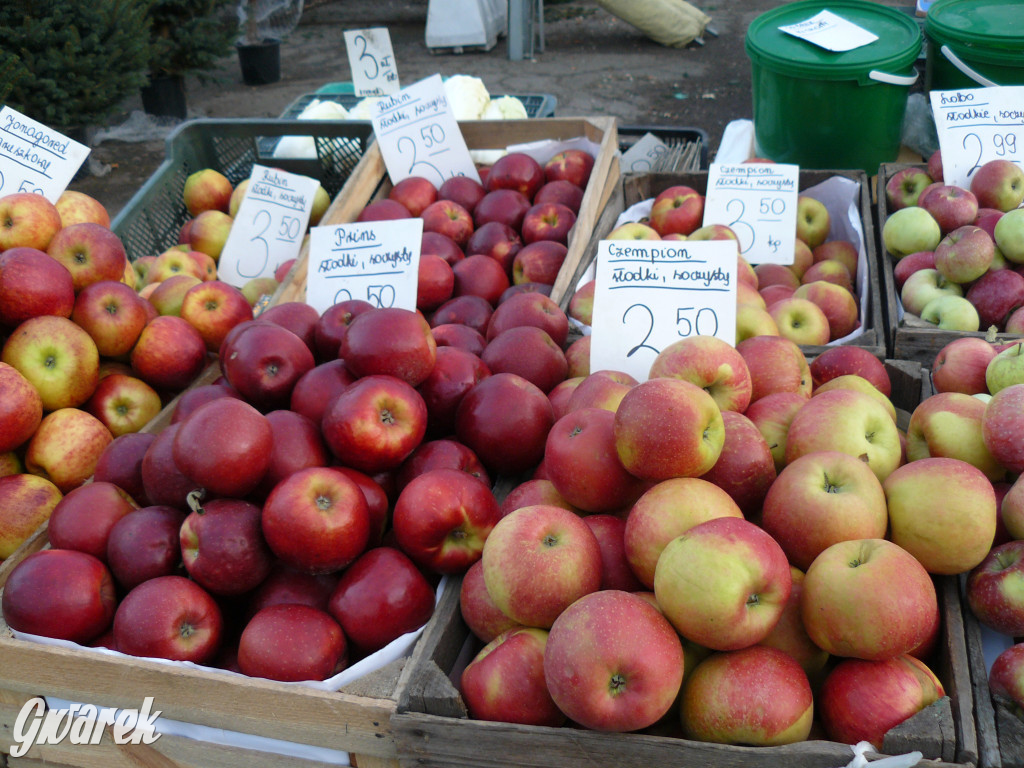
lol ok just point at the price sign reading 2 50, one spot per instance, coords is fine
(419, 136)
(650, 294)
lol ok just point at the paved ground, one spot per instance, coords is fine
(593, 63)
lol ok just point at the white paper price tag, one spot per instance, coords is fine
(976, 125)
(650, 294)
(643, 155)
(374, 261)
(269, 226)
(827, 30)
(35, 158)
(419, 136)
(372, 61)
(758, 202)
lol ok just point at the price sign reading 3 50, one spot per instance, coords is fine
(650, 294)
(269, 226)
(758, 202)
(419, 136)
(372, 61)
(976, 125)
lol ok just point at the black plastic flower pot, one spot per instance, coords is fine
(260, 62)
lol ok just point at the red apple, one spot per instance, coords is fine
(390, 342)
(169, 353)
(333, 325)
(616, 572)
(539, 560)
(379, 598)
(573, 165)
(548, 221)
(316, 520)
(27, 501)
(27, 219)
(286, 585)
(950, 205)
(448, 218)
(458, 335)
(384, 209)
(464, 190)
(91, 252)
(144, 544)
(263, 361)
(517, 171)
(163, 482)
(507, 440)
(297, 444)
(33, 283)
(996, 294)
(613, 663)
(529, 352)
(121, 464)
(756, 696)
(21, 408)
(482, 276)
(561, 191)
(601, 389)
(415, 193)
(123, 403)
(436, 244)
(677, 209)
(66, 446)
(375, 423)
(712, 364)
(224, 446)
(434, 283)
(746, 468)
(75, 207)
(222, 546)
(539, 262)
(60, 593)
(169, 617)
(469, 310)
(507, 206)
(455, 372)
(112, 314)
(316, 388)
(583, 464)
(990, 590)
(57, 356)
(206, 189)
(193, 397)
(843, 360)
(481, 615)
(291, 642)
(862, 700)
(961, 364)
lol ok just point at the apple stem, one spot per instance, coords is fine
(195, 500)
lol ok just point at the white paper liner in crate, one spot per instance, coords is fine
(840, 196)
(396, 649)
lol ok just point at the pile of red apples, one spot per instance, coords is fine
(508, 232)
(958, 253)
(976, 416)
(812, 301)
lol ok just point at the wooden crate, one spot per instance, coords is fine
(1000, 729)
(912, 338)
(635, 187)
(369, 181)
(432, 729)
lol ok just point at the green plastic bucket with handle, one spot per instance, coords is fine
(974, 43)
(826, 109)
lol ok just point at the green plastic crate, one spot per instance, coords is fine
(152, 220)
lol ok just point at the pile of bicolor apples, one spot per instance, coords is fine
(812, 301)
(958, 253)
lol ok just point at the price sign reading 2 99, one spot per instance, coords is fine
(419, 136)
(650, 294)
(758, 202)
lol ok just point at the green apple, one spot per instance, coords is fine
(1009, 235)
(1005, 369)
(909, 230)
(58, 356)
(923, 286)
(951, 313)
(948, 424)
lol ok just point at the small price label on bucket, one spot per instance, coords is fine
(419, 136)
(650, 294)
(758, 202)
(269, 226)
(374, 261)
(372, 61)
(644, 155)
(976, 125)
(35, 158)
(827, 30)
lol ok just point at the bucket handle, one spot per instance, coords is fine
(959, 64)
(891, 79)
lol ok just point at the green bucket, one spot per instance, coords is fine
(974, 43)
(826, 109)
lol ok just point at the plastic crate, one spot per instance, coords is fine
(151, 221)
(674, 137)
(536, 104)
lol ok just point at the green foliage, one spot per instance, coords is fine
(189, 36)
(69, 63)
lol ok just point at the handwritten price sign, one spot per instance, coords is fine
(650, 294)
(758, 202)
(419, 136)
(269, 226)
(372, 61)
(375, 261)
(976, 125)
(35, 158)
